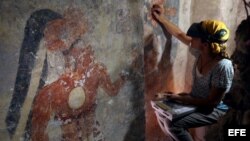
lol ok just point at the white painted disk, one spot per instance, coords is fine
(76, 98)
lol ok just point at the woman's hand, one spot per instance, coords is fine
(167, 26)
(163, 95)
(173, 96)
(180, 97)
(158, 13)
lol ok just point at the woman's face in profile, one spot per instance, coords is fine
(196, 43)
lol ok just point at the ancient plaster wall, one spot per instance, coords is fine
(93, 49)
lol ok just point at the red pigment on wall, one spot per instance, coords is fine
(51, 103)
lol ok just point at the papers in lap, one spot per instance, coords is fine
(177, 110)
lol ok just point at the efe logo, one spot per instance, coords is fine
(236, 132)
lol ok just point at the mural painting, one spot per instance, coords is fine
(71, 99)
(30, 46)
(66, 96)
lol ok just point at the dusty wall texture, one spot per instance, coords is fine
(89, 69)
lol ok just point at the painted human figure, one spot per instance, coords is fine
(70, 100)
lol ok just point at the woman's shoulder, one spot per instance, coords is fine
(223, 74)
(224, 65)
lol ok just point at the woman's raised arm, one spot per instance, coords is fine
(158, 15)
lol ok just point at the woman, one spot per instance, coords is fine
(212, 73)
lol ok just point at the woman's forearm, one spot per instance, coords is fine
(175, 31)
(187, 99)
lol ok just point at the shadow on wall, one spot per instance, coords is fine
(137, 127)
(158, 78)
(158, 68)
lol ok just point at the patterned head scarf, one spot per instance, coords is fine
(216, 33)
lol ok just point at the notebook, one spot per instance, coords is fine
(177, 110)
